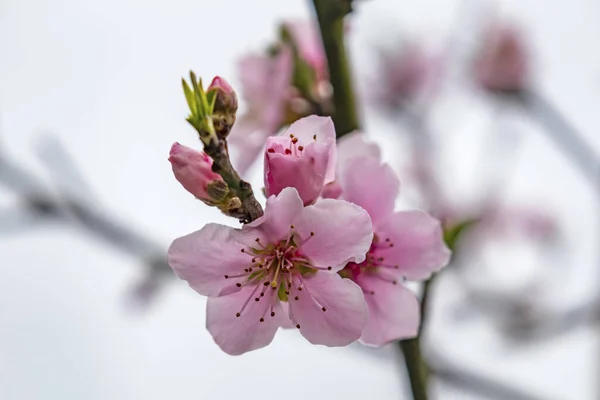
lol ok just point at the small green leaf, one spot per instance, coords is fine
(453, 234)
(211, 97)
(189, 95)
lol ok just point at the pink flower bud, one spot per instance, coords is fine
(193, 170)
(225, 108)
(502, 64)
(221, 83)
(303, 158)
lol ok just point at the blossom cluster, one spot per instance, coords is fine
(329, 257)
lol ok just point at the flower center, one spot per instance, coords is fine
(274, 268)
(294, 148)
(374, 265)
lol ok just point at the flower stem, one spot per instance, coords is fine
(330, 15)
(418, 371)
(250, 208)
(415, 366)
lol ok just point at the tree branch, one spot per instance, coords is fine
(330, 15)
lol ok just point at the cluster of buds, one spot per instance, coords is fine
(209, 175)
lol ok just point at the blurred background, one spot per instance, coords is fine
(90, 103)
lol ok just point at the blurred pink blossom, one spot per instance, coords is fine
(503, 61)
(290, 255)
(404, 74)
(406, 245)
(307, 37)
(303, 157)
(268, 90)
(266, 82)
(192, 169)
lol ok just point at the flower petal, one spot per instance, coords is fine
(238, 335)
(204, 257)
(305, 129)
(306, 173)
(280, 213)
(393, 310)
(345, 313)
(342, 233)
(354, 145)
(371, 185)
(418, 244)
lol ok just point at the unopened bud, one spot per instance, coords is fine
(193, 169)
(503, 63)
(225, 105)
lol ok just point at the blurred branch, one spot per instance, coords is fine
(330, 15)
(473, 382)
(564, 134)
(41, 203)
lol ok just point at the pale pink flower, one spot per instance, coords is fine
(289, 255)
(303, 157)
(266, 82)
(502, 63)
(404, 74)
(306, 35)
(192, 169)
(406, 245)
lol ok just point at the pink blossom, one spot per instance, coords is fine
(192, 169)
(502, 64)
(404, 74)
(303, 157)
(406, 245)
(306, 35)
(289, 255)
(266, 82)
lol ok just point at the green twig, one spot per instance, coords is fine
(330, 15)
(418, 371)
(415, 366)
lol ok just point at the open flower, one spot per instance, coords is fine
(303, 157)
(193, 169)
(291, 254)
(406, 245)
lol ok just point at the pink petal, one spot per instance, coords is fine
(280, 213)
(283, 171)
(332, 190)
(248, 138)
(418, 244)
(204, 257)
(346, 311)
(306, 128)
(287, 322)
(371, 185)
(393, 310)
(238, 335)
(342, 233)
(354, 145)
(306, 35)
